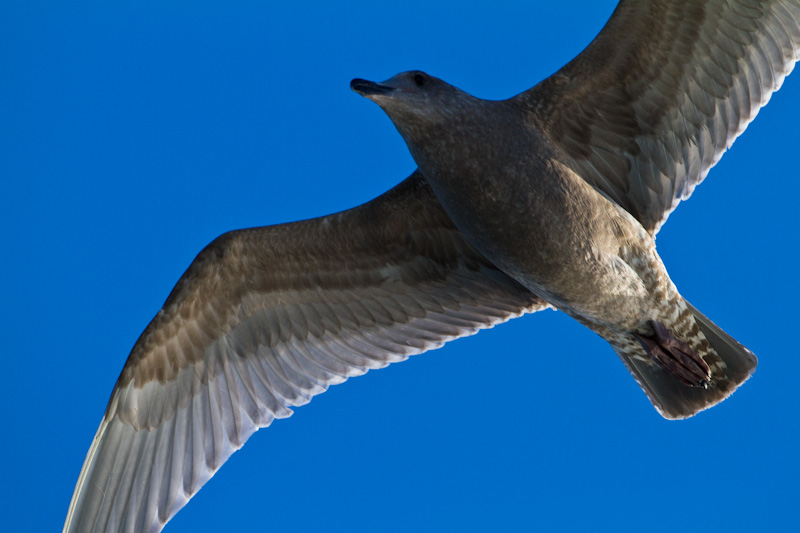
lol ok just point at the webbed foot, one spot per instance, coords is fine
(675, 356)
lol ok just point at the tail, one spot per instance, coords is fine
(730, 362)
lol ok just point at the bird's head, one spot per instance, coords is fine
(421, 106)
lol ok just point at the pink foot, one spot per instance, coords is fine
(675, 356)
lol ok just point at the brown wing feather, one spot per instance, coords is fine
(655, 100)
(262, 321)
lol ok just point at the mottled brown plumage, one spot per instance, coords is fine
(550, 198)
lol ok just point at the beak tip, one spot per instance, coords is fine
(356, 83)
(369, 88)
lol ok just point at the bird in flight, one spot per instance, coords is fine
(549, 199)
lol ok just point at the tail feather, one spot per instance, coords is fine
(731, 365)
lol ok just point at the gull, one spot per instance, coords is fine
(549, 199)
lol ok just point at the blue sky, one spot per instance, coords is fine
(132, 135)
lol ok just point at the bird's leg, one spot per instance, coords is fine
(675, 356)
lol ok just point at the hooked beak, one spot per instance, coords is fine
(369, 88)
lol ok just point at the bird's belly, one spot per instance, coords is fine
(568, 245)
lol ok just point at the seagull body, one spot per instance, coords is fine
(551, 198)
(513, 194)
(504, 186)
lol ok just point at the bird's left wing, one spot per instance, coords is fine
(647, 109)
(263, 320)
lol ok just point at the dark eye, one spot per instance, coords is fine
(420, 79)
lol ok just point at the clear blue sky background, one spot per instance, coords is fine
(132, 134)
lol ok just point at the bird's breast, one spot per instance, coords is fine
(543, 225)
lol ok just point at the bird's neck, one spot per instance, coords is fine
(482, 137)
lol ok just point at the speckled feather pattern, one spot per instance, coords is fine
(265, 319)
(551, 198)
(645, 125)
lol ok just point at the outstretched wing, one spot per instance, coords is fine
(647, 109)
(263, 320)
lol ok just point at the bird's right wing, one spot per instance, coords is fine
(647, 109)
(263, 320)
